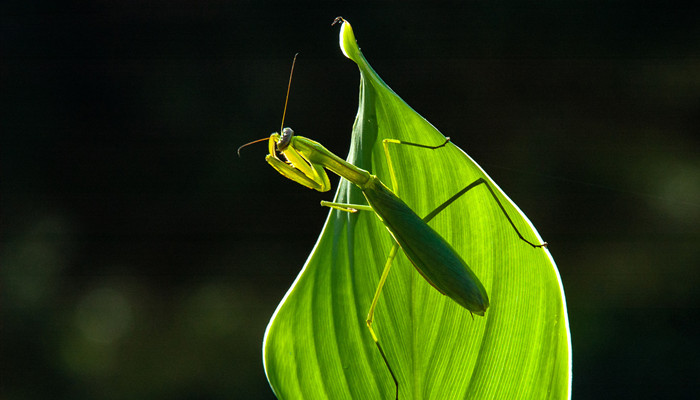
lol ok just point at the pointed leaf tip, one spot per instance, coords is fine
(348, 43)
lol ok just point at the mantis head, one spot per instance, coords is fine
(285, 139)
(277, 142)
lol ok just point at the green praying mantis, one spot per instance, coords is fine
(305, 161)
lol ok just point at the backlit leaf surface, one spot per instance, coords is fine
(317, 345)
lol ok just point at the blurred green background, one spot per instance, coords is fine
(141, 258)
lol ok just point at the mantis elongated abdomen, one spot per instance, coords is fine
(429, 253)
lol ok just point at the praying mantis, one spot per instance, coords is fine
(305, 162)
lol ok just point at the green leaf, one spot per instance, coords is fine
(317, 345)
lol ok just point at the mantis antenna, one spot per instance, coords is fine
(289, 86)
(284, 112)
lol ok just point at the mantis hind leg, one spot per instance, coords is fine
(472, 185)
(370, 314)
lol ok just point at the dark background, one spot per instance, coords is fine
(142, 259)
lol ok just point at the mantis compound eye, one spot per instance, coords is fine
(285, 139)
